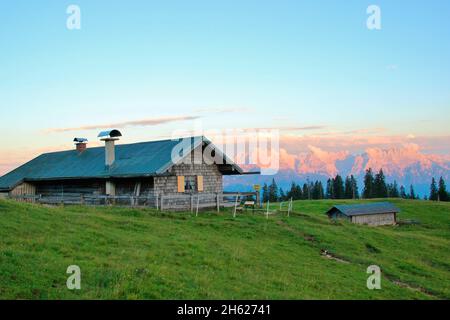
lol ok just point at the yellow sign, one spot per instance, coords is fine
(257, 187)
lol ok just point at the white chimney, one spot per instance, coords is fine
(110, 137)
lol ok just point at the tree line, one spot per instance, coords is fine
(375, 186)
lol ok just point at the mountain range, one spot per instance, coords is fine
(405, 164)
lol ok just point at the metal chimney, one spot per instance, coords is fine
(80, 144)
(109, 137)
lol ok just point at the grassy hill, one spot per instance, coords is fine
(144, 254)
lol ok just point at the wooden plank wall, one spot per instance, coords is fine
(128, 187)
(375, 219)
(24, 189)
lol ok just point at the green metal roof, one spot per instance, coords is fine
(365, 209)
(132, 160)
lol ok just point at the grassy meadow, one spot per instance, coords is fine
(127, 253)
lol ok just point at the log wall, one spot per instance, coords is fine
(67, 188)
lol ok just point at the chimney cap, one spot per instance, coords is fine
(109, 134)
(80, 140)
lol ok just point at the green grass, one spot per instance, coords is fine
(145, 254)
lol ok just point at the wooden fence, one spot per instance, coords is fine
(181, 202)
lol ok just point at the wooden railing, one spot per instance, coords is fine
(192, 202)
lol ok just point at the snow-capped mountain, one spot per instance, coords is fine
(407, 165)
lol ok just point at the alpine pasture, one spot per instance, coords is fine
(130, 253)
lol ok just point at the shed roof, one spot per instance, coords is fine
(365, 209)
(132, 160)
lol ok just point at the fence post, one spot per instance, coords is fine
(218, 202)
(198, 201)
(290, 207)
(157, 201)
(267, 213)
(82, 199)
(192, 202)
(258, 199)
(162, 202)
(235, 205)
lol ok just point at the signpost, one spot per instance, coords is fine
(257, 189)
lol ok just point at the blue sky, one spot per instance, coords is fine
(262, 63)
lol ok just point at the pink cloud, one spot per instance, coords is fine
(359, 143)
(145, 122)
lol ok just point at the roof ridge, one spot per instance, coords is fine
(125, 144)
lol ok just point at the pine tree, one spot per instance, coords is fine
(321, 192)
(282, 195)
(314, 190)
(306, 192)
(291, 192)
(298, 192)
(317, 190)
(348, 188)
(329, 191)
(273, 191)
(394, 190)
(389, 187)
(433, 190)
(368, 184)
(265, 193)
(412, 194)
(338, 187)
(379, 185)
(403, 193)
(295, 193)
(355, 187)
(442, 192)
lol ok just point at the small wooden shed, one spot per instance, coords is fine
(374, 214)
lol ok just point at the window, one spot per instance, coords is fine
(190, 184)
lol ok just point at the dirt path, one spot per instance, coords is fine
(310, 238)
(328, 255)
(412, 287)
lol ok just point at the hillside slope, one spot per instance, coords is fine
(144, 254)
